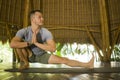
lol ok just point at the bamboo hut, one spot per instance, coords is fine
(83, 21)
(95, 22)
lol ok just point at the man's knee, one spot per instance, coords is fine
(65, 60)
(20, 50)
(57, 59)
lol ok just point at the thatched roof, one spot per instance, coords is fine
(68, 20)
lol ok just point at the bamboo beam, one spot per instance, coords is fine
(9, 7)
(93, 41)
(41, 5)
(77, 11)
(14, 8)
(115, 40)
(1, 22)
(1, 1)
(19, 16)
(32, 4)
(8, 32)
(105, 28)
(25, 21)
(63, 18)
(58, 11)
(70, 28)
(21, 13)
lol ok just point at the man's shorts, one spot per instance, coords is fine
(40, 58)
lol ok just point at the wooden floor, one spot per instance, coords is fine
(58, 76)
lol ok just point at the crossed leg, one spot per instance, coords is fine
(73, 63)
(23, 54)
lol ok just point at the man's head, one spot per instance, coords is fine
(36, 17)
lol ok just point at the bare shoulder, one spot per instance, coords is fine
(50, 41)
(16, 39)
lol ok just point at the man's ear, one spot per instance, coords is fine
(32, 19)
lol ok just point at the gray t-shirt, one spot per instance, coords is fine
(26, 35)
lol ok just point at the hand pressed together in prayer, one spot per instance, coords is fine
(34, 39)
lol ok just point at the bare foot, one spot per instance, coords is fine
(23, 65)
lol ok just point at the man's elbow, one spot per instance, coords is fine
(53, 50)
(12, 45)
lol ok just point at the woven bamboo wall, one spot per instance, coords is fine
(114, 18)
(66, 19)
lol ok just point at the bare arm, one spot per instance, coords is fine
(49, 46)
(16, 42)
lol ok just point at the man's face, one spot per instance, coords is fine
(38, 19)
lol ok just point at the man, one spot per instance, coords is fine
(32, 43)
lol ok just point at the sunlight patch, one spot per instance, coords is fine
(5, 53)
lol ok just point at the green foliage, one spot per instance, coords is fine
(58, 49)
(116, 53)
(72, 49)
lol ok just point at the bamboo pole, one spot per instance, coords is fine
(25, 21)
(41, 5)
(58, 11)
(77, 11)
(4, 10)
(72, 13)
(32, 4)
(48, 12)
(1, 22)
(53, 22)
(115, 40)
(14, 8)
(1, 1)
(63, 18)
(43, 10)
(8, 32)
(51, 27)
(19, 12)
(8, 15)
(71, 28)
(92, 13)
(93, 41)
(105, 29)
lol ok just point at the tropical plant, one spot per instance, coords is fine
(116, 53)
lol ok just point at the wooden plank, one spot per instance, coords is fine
(67, 70)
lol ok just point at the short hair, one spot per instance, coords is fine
(33, 12)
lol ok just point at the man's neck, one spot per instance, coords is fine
(35, 28)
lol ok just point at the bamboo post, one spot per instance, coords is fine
(1, 1)
(13, 14)
(63, 18)
(115, 39)
(93, 41)
(31, 4)
(41, 5)
(105, 29)
(25, 21)
(48, 13)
